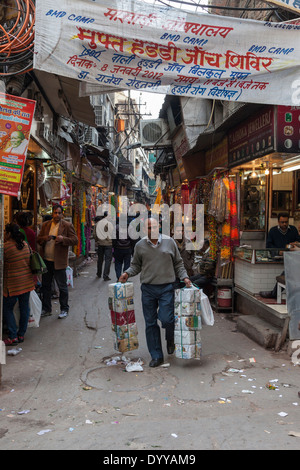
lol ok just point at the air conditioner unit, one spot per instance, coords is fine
(154, 133)
(91, 136)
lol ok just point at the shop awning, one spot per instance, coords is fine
(63, 94)
(125, 166)
(98, 156)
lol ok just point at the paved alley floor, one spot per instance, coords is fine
(60, 393)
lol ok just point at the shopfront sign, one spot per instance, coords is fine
(253, 138)
(16, 115)
(217, 156)
(157, 48)
(288, 129)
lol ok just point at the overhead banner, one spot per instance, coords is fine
(16, 115)
(134, 45)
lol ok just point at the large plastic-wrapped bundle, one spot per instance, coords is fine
(121, 306)
(187, 337)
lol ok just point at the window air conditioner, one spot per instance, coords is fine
(154, 133)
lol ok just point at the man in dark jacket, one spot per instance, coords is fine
(123, 248)
(55, 238)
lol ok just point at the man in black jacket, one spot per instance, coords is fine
(123, 249)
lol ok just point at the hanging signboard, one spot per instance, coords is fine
(16, 116)
(253, 138)
(130, 44)
(288, 129)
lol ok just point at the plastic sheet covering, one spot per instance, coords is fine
(292, 279)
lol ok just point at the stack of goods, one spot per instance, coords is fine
(187, 336)
(121, 306)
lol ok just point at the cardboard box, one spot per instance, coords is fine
(125, 331)
(189, 294)
(120, 290)
(120, 305)
(122, 318)
(187, 308)
(187, 351)
(124, 345)
(190, 322)
(187, 337)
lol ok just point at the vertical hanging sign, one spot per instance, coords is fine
(16, 115)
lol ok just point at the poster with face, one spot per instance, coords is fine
(16, 115)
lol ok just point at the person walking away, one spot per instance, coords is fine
(55, 238)
(17, 283)
(157, 258)
(103, 234)
(123, 248)
(280, 237)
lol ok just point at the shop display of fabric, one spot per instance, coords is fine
(230, 234)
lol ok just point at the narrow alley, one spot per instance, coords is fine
(65, 391)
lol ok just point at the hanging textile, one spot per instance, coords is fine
(230, 237)
(212, 227)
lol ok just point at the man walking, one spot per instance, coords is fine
(103, 235)
(55, 237)
(157, 258)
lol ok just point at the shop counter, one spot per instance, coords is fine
(256, 270)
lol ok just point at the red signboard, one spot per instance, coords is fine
(16, 115)
(288, 129)
(253, 138)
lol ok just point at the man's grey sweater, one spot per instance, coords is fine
(160, 264)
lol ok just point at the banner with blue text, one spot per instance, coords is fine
(129, 44)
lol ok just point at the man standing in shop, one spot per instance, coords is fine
(55, 237)
(280, 237)
(157, 258)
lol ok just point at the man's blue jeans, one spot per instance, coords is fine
(158, 304)
(9, 317)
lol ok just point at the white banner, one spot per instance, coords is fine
(129, 44)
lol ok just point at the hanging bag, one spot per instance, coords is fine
(37, 264)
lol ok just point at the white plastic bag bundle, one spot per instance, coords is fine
(69, 273)
(206, 310)
(35, 305)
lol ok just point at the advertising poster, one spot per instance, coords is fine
(16, 116)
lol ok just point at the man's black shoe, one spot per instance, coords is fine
(156, 362)
(170, 347)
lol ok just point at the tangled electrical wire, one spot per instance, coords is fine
(16, 37)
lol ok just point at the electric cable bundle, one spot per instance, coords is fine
(17, 38)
